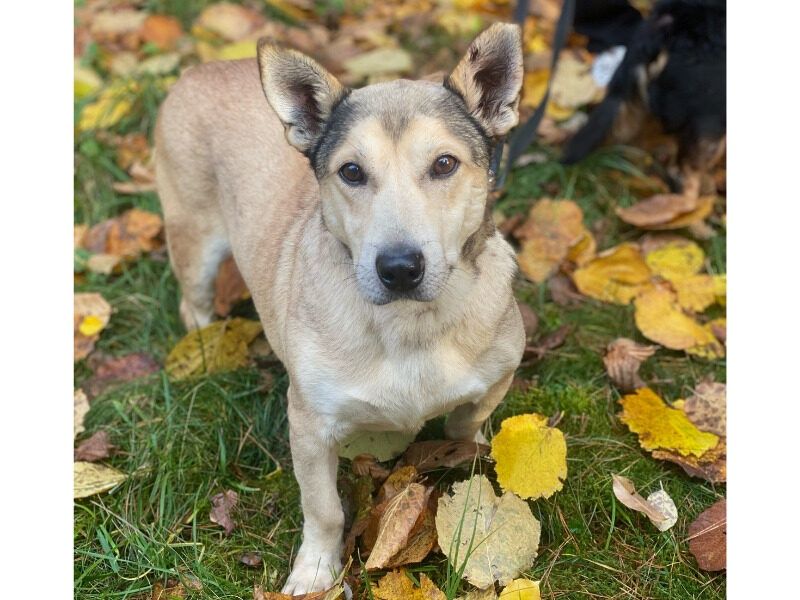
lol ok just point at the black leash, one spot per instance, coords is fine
(523, 136)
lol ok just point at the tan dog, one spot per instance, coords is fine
(370, 254)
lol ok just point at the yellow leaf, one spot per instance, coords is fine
(695, 293)
(220, 346)
(490, 538)
(86, 81)
(573, 85)
(531, 457)
(676, 260)
(660, 427)
(521, 589)
(93, 478)
(113, 103)
(91, 306)
(584, 250)
(720, 288)
(616, 275)
(237, 50)
(659, 317)
(90, 325)
(552, 228)
(383, 445)
(398, 586)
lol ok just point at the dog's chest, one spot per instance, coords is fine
(398, 391)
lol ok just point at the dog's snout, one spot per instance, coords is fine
(400, 270)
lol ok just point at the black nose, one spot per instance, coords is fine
(400, 270)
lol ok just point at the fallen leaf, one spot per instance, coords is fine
(706, 407)
(117, 22)
(421, 540)
(622, 361)
(220, 346)
(436, 454)
(378, 62)
(396, 482)
(383, 445)
(95, 448)
(660, 318)
(487, 594)
(698, 292)
(711, 466)
(531, 457)
(395, 525)
(251, 559)
(661, 512)
(552, 228)
(173, 590)
(530, 321)
(660, 427)
(521, 589)
(129, 235)
(573, 85)
(86, 81)
(109, 371)
(91, 315)
(563, 290)
(676, 260)
(163, 31)
(616, 275)
(705, 205)
(111, 106)
(90, 479)
(546, 343)
(491, 538)
(398, 586)
(708, 537)
(104, 264)
(81, 407)
(222, 504)
(229, 287)
(228, 21)
(657, 210)
(366, 465)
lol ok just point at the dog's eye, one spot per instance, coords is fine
(352, 173)
(444, 165)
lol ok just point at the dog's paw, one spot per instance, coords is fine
(312, 573)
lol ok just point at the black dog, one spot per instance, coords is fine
(674, 68)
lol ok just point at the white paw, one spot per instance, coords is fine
(312, 572)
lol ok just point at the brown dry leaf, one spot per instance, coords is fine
(398, 586)
(231, 22)
(95, 448)
(251, 559)
(396, 482)
(437, 454)
(661, 514)
(91, 315)
(660, 318)
(103, 264)
(706, 407)
(130, 149)
(490, 538)
(222, 505)
(552, 228)
(657, 210)
(109, 371)
(127, 236)
(563, 291)
(705, 205)
(220, 346)
(421, 540)
(229, 287)
(617, 275)
(708, 537)
(396, 523)
(90, 479)
(623, 359)
(530, 320)
(81, 407)
(163, 31)
(711, 466)
(546, 343)
(143, 176)
(366, 465)
(173, 590)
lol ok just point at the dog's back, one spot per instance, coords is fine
(214, 126)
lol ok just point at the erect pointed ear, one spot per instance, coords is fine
(300, 91)
(489, 78)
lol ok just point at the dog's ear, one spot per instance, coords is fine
(489, 78)
(299, 90)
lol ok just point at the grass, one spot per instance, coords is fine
(183, 442)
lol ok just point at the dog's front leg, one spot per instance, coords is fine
(315, 461)
(466, 421)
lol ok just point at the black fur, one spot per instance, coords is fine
(688, 96)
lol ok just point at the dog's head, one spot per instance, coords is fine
(403, 166)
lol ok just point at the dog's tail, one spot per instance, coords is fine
(646, 45)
